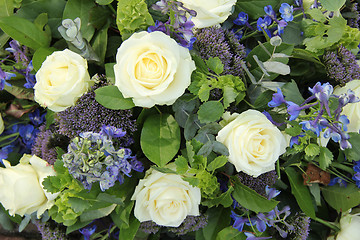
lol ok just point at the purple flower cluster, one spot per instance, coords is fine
(259, 183)
(217, 42)
(42, 147)
(180, 27)
(190, 224)
(354, 22)
(301, 224)
(92, 158)
(89, 116)
(356, 176)
(50, 233)
(4, 77)
(341, 65)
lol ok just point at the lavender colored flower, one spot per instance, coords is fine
(190, 224)
(4, 77)
(241, 19)
(239, 221)
(49, 232)
(286, 12)
(88, 231)
(43, 144)
(28, 134)
(89, 115)
(30, 78)
(356, 176)
(277, 99)
(250, 236)
(293, 109)
(259, 183)
(221, 43)
(354, 22)
(149, 227)
(341, 65)
(18, 51)
(301, 224)
(4, 152)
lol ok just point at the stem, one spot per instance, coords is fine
(328, 224)
(112, 9)
(157, 109)
(342, 167)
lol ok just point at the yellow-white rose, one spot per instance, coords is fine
(209, 13)
(61, 80)
(152, 68)
(351, 110)
(21, 186)
(254, 143)
(2, 126)
(349, 227)
(166, 199)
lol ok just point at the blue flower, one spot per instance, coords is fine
(28, 134)
(36, 117)
(4, 152)
(293, 109)
(269, 11)
(112, 132)
(286, 12)
(4, 76)
(238, 221)
(322, 91)
(263, 23)
(242, 19)
(338, 180)
(88, 231)
(277, 99)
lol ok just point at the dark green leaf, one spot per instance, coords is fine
(219, 218)
(163, 169)
(109, 71)
(200, 64)
(250, 199)
(110, 198)
(97, 213)
(353, 154)
(191, 126)
(301, 192)
(206, 149)
(218, 162)
(24, 31)
(81, 9)
(110, 97)
(100, 42)
(230, 233)
(129, 232)
(342, 198)
(210, 111)
(220, 148)
(292, 34)
(76, 226)
(254, 8)
(160, 138)
(103, 2)
(292, 93)
(261, 102)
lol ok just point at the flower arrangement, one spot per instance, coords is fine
(179, 119)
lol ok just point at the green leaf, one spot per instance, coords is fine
(325, 157)
(160, 138)
(220, 148)
(163, 169)
(181, 165)
(193, 181)
(332, 5)
(254, 8)
(224, 199)
(81, 9)
(353, 154)
(103, 2)
(48, 185)
(78, 205)
(200, 64)
(191, 126)
(219, 218)
(301, 192)
(215, 65)
(342, 198)
(97, 213)
(110, 97)
(6, 8)
(291, 92)
(40, 56)
(230, 233)
(132, 16)
(316, 14)
(312, 150)
(250, 199)
(104, 197)
(218, 162)
(100, 42)
(109, 71)
(76, 226)
(229, 96)
(204, 92)
(24, 31)
(130, 232)
(206, 149)
(293, 130)
(210, 111)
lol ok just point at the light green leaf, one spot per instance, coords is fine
(215, 65)
(100, 42)
(230, 233)
(78, 205)
(224, 199)
(317, 14)
(97, 213)
(6, 8)
(40, 56)
(229, 96)
(301, 192)
(342, 198)
(312, 150)
(24, 31)
(353, 154)
(325, 157)
(160, 138)
(110, 97)
(130, 232)
(109, 71)
(181, 165)
(210, 111)
(332, 5)
(81, 9)
(250, 199)
(218, 162)
(104, 2)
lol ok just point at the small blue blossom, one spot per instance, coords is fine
(112, 132)
(277, 99)
(271, 192)
(238, 221)
(28, 134)
(293, 109)
(356, 176)
(36, 117)
(286, 12)
(241, 19)
(251, 236)
(4, 152)
(88, 231)
(4, 76)
(281, 26)
(269, 11)
(338, 180)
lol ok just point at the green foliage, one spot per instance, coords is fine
(210, 111)
(250, 199)
(110, 97)
(353, 154)
(7, 7)
(132, 16)
(325, 158)
(230, 233)
(40, 55)
(160, 138)
(219, 218)
(254, 8)
(332, 5)
(24, 31)
(292, 93)
(342, 198)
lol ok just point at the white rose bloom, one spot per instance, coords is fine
(2, 126)
(152, 68)
(61, 80)
(349, 227)
(21, 186)
(209, 13)
(166, 199)
(254, 143)
(351, 110)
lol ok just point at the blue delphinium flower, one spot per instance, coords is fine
(337, 180)
(30, 78)
(241, 19)
(88, 231)
(263, 23)
(286, 12)
(36, 118)
(4, 77)
(4, 152)
(356, 176)
(277, 99)
(28, 134)
(269, 11)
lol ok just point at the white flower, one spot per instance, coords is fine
(21, 186)
(61, 80)
(152, 69)
(2, 126)
(209, 13)
(254, 143)
(351, 110)
(349, 227)
(166, 199)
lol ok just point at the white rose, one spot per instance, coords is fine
(209, 13)
(152, 69)
(21, 186)
(254, 143)
(349, 227)
(2, 126)
(166, 199)
(351, 110)
(61, 80)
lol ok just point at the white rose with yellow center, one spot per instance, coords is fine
(254, 143)
(21, 186)
(209, 13)
(165, 199)
(152, 68)
(61, 80)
